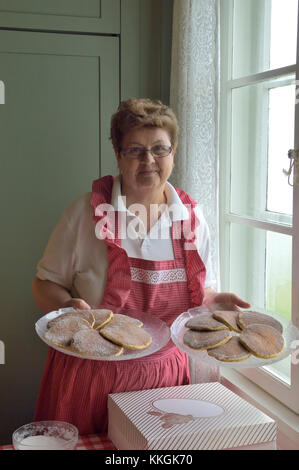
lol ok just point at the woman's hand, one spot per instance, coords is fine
(78, 304)
(224, 300)
(50, 296)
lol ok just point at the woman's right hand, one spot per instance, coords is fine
(78, 304)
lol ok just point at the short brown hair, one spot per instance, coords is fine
(137, 113)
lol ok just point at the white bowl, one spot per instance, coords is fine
(45, 435)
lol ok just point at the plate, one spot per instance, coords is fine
(178, 329)
(158, 330)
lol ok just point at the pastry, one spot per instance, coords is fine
(248, 318)
(126, 334)
(85, 314)
(229, 318)
(262, 340)
(231, 351)
(62, 332)
(206, 339)
(205, 322)
(101, 317)
(90, 342)
(119, 318)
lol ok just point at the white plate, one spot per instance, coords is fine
(178, 329)
(158, 330)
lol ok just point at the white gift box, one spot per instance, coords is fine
(191, 417)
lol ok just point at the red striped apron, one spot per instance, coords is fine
(76, 390)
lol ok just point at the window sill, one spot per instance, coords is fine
(287, 421)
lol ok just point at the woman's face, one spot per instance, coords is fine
(147, 172)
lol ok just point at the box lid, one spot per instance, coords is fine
(200, 416)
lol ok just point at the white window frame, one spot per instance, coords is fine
(289, 395)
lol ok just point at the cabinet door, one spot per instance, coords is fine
(98, 16)
(60, 93)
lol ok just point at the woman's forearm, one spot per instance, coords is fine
(49, 296)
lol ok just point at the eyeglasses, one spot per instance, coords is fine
(157, 151)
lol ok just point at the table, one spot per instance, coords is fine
(89, 442)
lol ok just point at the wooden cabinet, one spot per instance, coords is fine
(60, 93)
(92, 16)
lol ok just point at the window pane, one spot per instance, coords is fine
(281, 137)
(279, 273)
(260, 272)
(264, 35)
(247, 264)
(278, 289)
(262, 134)
(261, 268)
(283, 43)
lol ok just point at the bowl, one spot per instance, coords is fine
(45, 435)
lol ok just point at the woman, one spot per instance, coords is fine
(94, 259)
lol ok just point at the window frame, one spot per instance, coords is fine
(288, 394)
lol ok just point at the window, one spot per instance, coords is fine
(259, 209)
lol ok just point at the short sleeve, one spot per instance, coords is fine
(203, 247)
(58, 261)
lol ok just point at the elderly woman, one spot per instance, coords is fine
(155, 261)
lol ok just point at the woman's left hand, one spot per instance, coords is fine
(224, 300)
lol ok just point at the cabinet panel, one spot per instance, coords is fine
(60, 93)
(98, 16)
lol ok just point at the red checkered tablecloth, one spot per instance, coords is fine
(89, 442)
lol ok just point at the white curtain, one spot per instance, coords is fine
(194, 97)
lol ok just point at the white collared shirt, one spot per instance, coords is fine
(156, 245)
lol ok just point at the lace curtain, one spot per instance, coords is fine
(194, 99)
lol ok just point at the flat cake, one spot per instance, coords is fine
(248, 318)
(85, 314)
(231, 351)
(62, 332)
(205, 322)
(101, 317)
(206, 339)
(126, 334)
(263, 341)
(119, 318)
(229, 318)
(90, 342)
